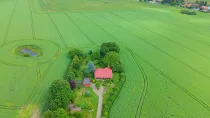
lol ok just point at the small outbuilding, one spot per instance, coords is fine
(103, 73)
(86, 82)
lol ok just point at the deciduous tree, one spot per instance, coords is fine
(60, 94)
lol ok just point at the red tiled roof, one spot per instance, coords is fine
(103, 73)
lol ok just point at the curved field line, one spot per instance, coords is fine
(59, 33)
(42, 77)
(31, 18)
(166, 38)
(144, 91)
(9, 64)
(91, 41)
(9, 24)
(175, 83)
(164, 52)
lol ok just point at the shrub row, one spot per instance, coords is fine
(112, 95)
(188, 12)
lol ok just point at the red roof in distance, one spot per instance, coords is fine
(102, 73)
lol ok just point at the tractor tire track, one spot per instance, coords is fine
(175, 83)
(42, 77)
(9, 24)
(156, 108)
(145, 88)
(109, 34)
(184, 27)
(59, 33)
(31, 18)
(169, 30)
(166, 38)
(70, 19)
(162, 51)
(9, 107)
(164, 28)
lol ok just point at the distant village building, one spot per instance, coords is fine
(204, 8)
(86, 82)
(103, 73)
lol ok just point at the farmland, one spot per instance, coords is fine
(166, 54)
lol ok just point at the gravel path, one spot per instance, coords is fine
(100, 99)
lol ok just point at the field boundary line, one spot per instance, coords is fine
(164, 52)
(9, 24)
(165, 37)
(59, 33)
(70, 19)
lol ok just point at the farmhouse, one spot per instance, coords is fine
(103, 73)
(86, 82)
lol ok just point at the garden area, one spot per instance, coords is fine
(77, 94)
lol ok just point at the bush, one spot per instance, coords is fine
(90, 106)
(87, 73)
(83, 106)
(98, 84)
(70, 76)
(90, 52)
(93, 80)
(78, 114)
(87, 94)
(188, 12)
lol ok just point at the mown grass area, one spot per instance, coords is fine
(166, 54)
(81, 100)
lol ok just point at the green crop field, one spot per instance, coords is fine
(166, 54)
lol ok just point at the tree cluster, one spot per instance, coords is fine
(108, 47)
(173, 2)
(201, 3)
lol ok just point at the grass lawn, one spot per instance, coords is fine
(166, 54)
(81, 99)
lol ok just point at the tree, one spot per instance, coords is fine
(75, 63)
(90, 52)
(60, 113)
(196, 2)
(107, 47)
(90, 67)
(95, 56)
(72, 84)
(74, 52)
(60, 94)
(70, 76)
(87, 73)
(205, 3)
(48, 114)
